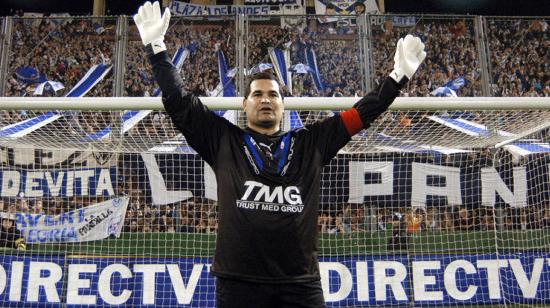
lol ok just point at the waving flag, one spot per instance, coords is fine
(260, 67)
(226, 81)
(92, 77)
(450, 88)
(281, 60)
(301, 68)
(27, 74)
(444, 92)
(25, 127)
(312, 63)
(49, 85)
(132, 117)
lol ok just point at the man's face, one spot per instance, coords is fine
(7, 224)
(264, 105)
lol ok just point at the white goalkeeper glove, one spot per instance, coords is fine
(152, 26)
(408, 57)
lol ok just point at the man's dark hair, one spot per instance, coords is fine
(258, 76)
(359, 7)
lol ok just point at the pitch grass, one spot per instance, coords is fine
(360, 243)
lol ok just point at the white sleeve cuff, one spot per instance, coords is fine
(158, 46)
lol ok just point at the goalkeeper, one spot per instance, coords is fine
(268, 179)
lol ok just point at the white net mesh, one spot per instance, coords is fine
(424, 189)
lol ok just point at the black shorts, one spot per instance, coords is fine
(234, 293)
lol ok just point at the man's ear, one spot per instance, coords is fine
(244, 103)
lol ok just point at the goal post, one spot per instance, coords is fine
(441, 202)
(291, 103)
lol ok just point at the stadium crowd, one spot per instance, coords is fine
(199, 215)
(64, 49)
(520, 57)
(60, 49)
(518, 50)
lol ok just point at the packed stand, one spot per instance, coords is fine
(59, 49)
(451, 53)
(519, 52)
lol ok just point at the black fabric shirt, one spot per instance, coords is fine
(11, 238)
(268, 186)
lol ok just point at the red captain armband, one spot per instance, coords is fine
(352, 121)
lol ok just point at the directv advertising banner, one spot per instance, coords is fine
(430, 280)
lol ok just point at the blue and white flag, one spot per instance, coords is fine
(389, 143)
(92, 77)
(312, 63)
(92, 223)
(456, 84)
(28, 126)
(27, 74)
(281, 61)
(524, 148)
(301, 68)
(132, 117)
(260, 67)
(444, 92)
(177, 145)
(226, 81)
(467, 127)
(295, 121)
(98, 28)
(49, 85)
(450, 88)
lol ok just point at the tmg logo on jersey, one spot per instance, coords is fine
(258, 196)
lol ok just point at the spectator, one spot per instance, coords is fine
(10, 236)
(432, 219)
(398, 240)
(465, 221)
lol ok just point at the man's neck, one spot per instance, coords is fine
(264, 131)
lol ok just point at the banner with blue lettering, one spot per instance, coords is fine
(178, 8)
(91, 223)
(419, 280)
(269, 2)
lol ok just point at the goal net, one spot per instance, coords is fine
(427, 207)
(441, 202)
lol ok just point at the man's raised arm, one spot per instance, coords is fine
(201, 128)
(152, 28)
(408, 57)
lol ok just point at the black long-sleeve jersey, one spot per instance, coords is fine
(268, 186)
